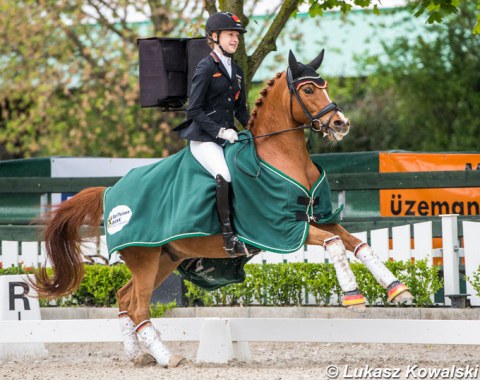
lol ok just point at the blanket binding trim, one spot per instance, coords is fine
(292, 181)
(277, 250)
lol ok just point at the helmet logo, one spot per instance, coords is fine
(235, 18)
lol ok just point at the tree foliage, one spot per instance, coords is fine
(424, 96)
(68, 70)
(69, 82)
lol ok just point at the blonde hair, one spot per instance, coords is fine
(210, 43)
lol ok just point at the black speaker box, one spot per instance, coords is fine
(166, 68)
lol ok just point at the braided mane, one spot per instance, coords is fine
(259, 101)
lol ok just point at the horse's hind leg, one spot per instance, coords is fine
(149, 268)
(397, 291)
(131, 345)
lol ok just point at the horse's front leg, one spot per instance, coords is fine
(335, 248)
(397, 291)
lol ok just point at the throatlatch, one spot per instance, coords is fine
(232, 245)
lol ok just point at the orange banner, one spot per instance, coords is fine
(427, 202)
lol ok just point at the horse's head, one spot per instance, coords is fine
(309, 100)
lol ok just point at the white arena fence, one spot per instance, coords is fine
(452, 252)
(222, 339)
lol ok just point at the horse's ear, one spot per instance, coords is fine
(293, 64)
(315, 64)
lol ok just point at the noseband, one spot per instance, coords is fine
(292, 87)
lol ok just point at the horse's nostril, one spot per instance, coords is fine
(339, 123)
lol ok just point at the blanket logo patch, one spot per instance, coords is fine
(118, 218)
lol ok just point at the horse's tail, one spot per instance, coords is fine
(63, 241)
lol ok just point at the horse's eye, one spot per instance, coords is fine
(308, 90)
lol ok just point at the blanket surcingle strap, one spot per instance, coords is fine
(175, 199)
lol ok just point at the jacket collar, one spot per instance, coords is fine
(221, 66)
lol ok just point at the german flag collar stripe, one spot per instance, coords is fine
(215, 56)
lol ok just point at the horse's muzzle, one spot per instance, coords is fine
(338, 129)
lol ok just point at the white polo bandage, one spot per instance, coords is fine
(153, 342)
(336, 251)
(364, 253)
(131, 345)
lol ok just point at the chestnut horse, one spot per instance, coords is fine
(293, 101)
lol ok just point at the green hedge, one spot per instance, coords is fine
(266, 284)
(289, 285)
(474, 280)
(98, 287)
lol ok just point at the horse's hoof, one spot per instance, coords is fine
(359, 308)
(176, 360)
(144, 360)
(403, 297)
(354, 301)
(398, 293)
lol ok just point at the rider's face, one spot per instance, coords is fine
(229, 40)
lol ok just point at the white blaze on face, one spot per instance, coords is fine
(339, 113)
(326, 95)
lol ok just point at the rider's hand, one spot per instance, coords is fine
(228, 134)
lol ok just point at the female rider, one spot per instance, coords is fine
(217, 95)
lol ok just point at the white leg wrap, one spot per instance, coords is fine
(131, 345)
(154, 343)
(336, 251)
(364, 253)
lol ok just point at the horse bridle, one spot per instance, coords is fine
(332, 106)
(291, 83)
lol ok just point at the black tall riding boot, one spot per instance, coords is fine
(232, 245)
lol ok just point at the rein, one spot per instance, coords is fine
(304, 126)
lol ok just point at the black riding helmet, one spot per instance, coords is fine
(219, 21)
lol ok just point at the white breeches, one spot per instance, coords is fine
(212, 157)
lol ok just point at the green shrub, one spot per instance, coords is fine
(285, 284)
(98, 287)
(15, 269)
(265, 284)
(196, 296)
(100, 284)
(158, 310)
(421, 279)
(370, 288)
(474, 280)
(321, 282)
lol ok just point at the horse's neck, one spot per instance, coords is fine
(287, 151)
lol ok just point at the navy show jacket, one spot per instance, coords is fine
(215, 99)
